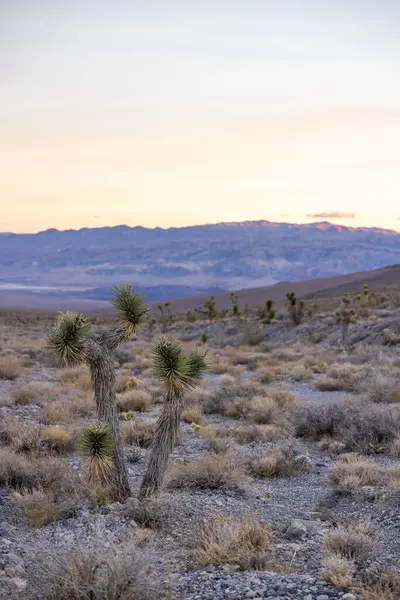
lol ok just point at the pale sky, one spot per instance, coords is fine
(177, 113)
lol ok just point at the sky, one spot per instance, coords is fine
(178, 113)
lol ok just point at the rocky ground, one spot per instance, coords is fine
(299, 504)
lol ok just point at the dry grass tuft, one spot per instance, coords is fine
(69, 410)
(351, 542)
(240, 542)
(24, 394)
(352, 471)
(102, 571)
(134, 400)
(57, 440)
(138, 433)
(339, 377)
(153, 513)
(208, 472)
(386, 588)
(283, 462)
(10, 367)
(338, 571)
(193, 415)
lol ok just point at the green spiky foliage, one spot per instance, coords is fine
(210, 308)
(295, 308)
(174, 369)
(204, 337)
(72, 342)
(98, 446)
(67, 338)
(178, 373)
(130, 308)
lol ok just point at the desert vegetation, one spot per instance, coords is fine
(230, 453)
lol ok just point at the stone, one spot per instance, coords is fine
(322, 597)
(308, 597)
(296, 530)
(18, 584)
(349, 597)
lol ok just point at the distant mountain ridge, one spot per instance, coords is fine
(186, 261)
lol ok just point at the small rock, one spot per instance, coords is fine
(296, 530)
(18, 584)
(349, 597)
(322, 597)
(308, 597)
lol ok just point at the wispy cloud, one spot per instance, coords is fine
(332, 215)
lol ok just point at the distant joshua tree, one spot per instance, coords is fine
(73, 343)
(345, 316)
(178, 373)
(295, 308)
(210, 308)
(235, 304)
(267, 313)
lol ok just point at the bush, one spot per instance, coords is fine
(284, 462)
(138, 433)
(10, 367)
(208, 472)
(241, 542)
(134, 400)
(368, 428)
(102, 571)
(351, 472)
(351, 542)
(57, 439)
(24, 395)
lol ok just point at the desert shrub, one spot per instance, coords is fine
(230, 399)
(241, 542)
(101, 571)
(338, 378)
(121, 383)
(24, 436)
(208, 472)
(338, 571)
(283, 462)
(385, 587)
(381, 388)
(67, 411)
(245, 434)
(57, 439)
(352, 471)
(10, 367)
(154, 513)
(134, 400)
(351, 542)
(24, 394)
(137, 433)
(368, 428)
(192, 415)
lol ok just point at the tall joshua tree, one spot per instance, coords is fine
(178, 373)
(72, 342)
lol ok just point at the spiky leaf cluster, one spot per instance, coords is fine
(176, 370)
(97, 444)
(67, 337)
(130, 307)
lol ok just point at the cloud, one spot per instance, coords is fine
(332, 215)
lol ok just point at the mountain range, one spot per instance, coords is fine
(173, 263)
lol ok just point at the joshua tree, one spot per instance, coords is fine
(165, 315)
(72, 342)
(178, 373)
(295, 308)
(235, 304)
(267, 312)
(345, 316)
(211, 308)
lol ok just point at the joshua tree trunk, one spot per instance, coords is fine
(164, 440)
(103, 382)
(345, 334)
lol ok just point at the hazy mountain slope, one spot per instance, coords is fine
(180, 262)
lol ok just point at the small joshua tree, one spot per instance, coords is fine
(267, 313)
(295, 308)
(235, 305)
(178, 373)
(72, 342)
(210, 308)
(344, 317)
